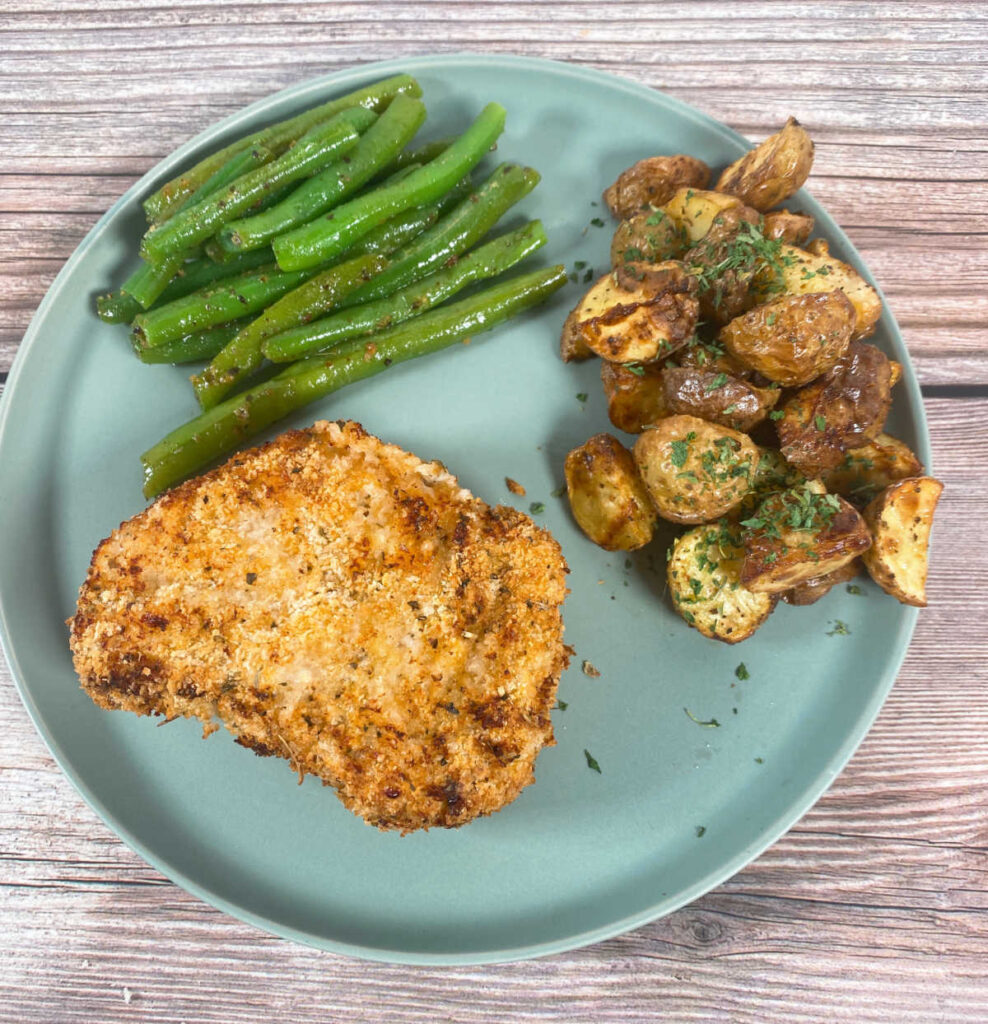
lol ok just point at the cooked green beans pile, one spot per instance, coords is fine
(316, 252)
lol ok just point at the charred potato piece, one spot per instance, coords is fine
(844, 409)
(704, 581)
(650, 237)
(773, 170)
(867, 470)
(710, 355)
(608, 499)
(797, 535)
(797, 272)
(792, 228)
(694, 471)
(708, 215)
(639, 312)
(794, 339)
(634, 395)
(810, 591)
(716, 397)
(652, 182)
(572, 347)
(725, 268)
(900, 519)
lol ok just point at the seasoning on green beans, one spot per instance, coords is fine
(277, 137)
(192, 348)
(314, 151)
(242, 354)
(194, 445)
(376, 149)
(332, 234)
(482, 263)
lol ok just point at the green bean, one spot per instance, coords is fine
(359, 321)
(194, 445)
(150, 279)
(422, 154)
(227, 300)
(321, 146)
(454, 234)
(242, 354)
(375, 149)
(335, 232)
(192, 347)
(277, 137)
(117, 308)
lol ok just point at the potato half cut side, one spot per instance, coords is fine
(653, 181)
(900, 520)
(870, 468)
(704, 581)
(608, 499)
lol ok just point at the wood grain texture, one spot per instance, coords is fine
(875, 907)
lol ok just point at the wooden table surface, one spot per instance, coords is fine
(875, 907)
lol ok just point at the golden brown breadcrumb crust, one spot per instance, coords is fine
(335, 601)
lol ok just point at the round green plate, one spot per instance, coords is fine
(676, 808)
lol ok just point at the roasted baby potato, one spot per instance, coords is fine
(652, 182)
(797, 535)
(772, 473)
(795, 272)
(716, 397)
(694, 471)
(844, 409)
(709, 215)
(638, 312)
(572, 347)
(608, 499)
(900, 519)
(710, 355)
(724, 267)
(810, 591)
(634, 394)
(865, 471)
(793, 339)
(650, 237)
(704, 581)
(793, 228)
(773, 170)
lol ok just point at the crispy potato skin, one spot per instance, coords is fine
(572, 347)
(695, 471)
(728, 293)
(794, 339)
(778, 557)
(792, 228)
(635, 399)
(773, 170)
(900, 519)
(651, 237)
(716, 397)
(867, 470)
(704, 581)
(799, 272)
(653, 181)
(707, 215)
(608, 499)
(639, 313)
(810, 591)
(844, 409)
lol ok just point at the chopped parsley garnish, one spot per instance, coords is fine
(680, 452)
(770, 319)
(742, 672)
(718, 382)
(597, 222)
(562, 705)
(656, 217)
(840, 629)
(536, 508)
(759, 760)
(776, 414)
(582, 396)
(633, 254)
(588, 276)
(579, 264)
(821, 422)
(700, 831)
(559, 492)
(710, 724)
(592, 762)
(853, 588)
(638, 371)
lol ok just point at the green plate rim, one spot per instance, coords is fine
(353, 77)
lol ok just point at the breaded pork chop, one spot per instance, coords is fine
(335, 601)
